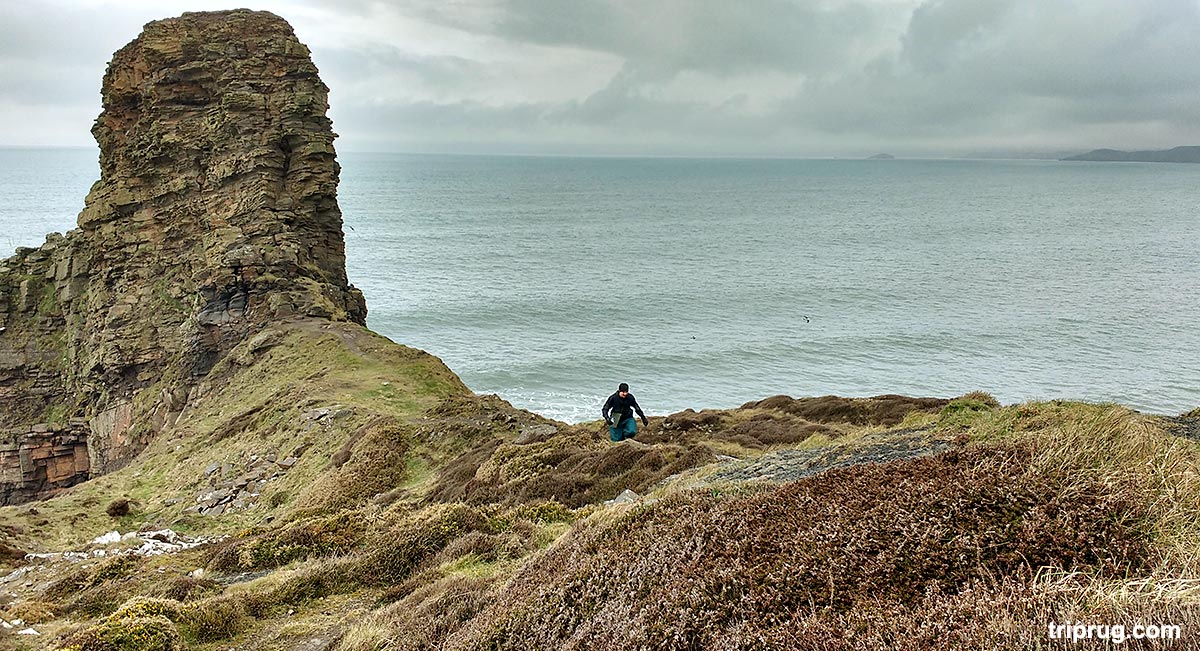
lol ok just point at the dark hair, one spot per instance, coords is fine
(623, 387)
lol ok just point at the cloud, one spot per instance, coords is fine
(939, 75)
(670, 36)
(1003, 69)
(51, 58)
(776, 77)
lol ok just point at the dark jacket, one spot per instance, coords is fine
(621, 408)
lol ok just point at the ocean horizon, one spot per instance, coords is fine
(709, 282)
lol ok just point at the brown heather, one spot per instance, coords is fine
(575, 469)
(879, 410)
(820, 554)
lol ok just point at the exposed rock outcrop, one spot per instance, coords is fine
(42, 459)
(215, 214)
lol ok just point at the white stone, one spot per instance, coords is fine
(625, 497)
(27, 631)
(107, 539)
(164, 535)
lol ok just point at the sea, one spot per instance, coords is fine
(707, 283)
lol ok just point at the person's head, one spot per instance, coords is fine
(623, 389)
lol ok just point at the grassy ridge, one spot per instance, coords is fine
(252, 402)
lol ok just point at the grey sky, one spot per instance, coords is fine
(677, 77)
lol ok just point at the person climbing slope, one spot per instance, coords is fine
(618, 413)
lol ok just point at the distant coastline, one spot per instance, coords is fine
(1189, 154)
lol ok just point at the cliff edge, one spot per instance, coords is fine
(215, 215)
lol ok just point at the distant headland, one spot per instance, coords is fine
(1189, 154)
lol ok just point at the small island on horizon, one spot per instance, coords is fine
(882, 157)
(1188, 154)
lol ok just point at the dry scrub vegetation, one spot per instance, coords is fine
(468, 524)
(1042, 513)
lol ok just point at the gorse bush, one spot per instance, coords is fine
(548, 511)
(424, 618)
(887, 410)
(185, 588)
(212, 619)
(971, 402)
(575, 470)
(397, 552)
(154, 633)
(97, 590)
(141, 624)
(270, 548)
(149, 624)
(372, 461)
(149, 607)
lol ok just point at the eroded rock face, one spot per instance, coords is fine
(215, 214)
(41, 459)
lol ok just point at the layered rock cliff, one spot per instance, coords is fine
(214, 216)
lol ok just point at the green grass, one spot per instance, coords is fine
(472, 566)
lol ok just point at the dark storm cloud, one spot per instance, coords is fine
(1008, 68)
(714, 36)
(778, 77)
(984, 71)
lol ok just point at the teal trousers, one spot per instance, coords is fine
(625, 430)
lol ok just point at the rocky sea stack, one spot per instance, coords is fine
(215, 215)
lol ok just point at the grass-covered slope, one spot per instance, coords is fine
(416, 515)
(309, 387)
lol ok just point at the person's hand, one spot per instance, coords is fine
(608, 421)
(645, 423)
